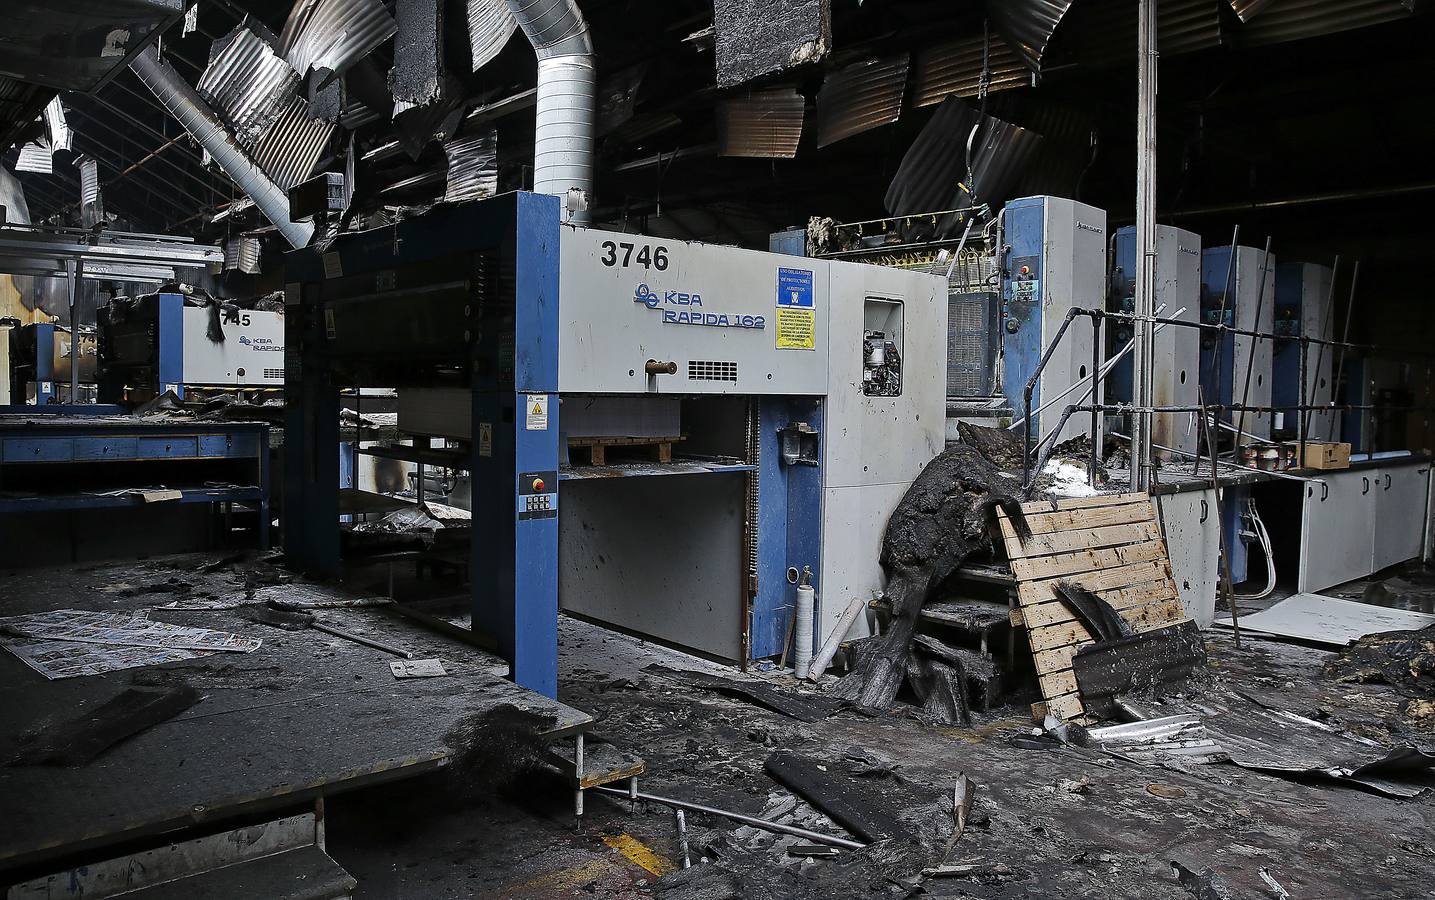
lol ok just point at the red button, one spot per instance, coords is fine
(538, 485)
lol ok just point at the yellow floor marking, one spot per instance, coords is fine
(638, 853)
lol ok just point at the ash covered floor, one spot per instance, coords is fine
(1046, 823)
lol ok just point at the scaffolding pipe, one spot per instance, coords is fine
(1143, 336)
(764, 824)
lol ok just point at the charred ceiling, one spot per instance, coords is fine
(727, 119)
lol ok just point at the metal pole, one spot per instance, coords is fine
(1345, 336)
(764, 824)
(73, 270)
(1145, 245)
(1226, 286)
(1251, 356)
(1320, 351)
(1223, 577)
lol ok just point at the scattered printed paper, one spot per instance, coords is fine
(66, 643)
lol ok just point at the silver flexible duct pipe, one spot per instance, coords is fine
(185, 104)
(567, 97)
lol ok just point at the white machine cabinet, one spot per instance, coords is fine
(1399, 514)
(1193, 542)
(1362, 521)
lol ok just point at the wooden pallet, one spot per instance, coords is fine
(597, 447)
(1110, 545)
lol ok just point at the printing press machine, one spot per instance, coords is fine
(756, 414)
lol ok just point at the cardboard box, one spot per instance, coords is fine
(1320, 455)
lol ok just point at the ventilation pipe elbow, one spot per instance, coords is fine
(190, 110)
(567, 98)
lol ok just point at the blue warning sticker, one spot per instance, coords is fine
(794, 288)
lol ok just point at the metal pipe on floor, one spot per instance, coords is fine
(764, 824)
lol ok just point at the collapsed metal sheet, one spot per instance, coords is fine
(956, 68)
(861, 97)
(247, 83)
(35, 157)
(1293, 20)
(56, 126)
(472, 166)
(74, 46)
(765, 123)
(1329, 620)
(490, 26)
(334, 34)
(291, 147)
(417, 73)
(1027, 25)
(934, 170)
(417, 125)
(242, 253)
(753, 38)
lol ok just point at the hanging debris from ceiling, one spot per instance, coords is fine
(934, 173)
(861, 97)
(35, 157)
(417, 74)
(765, 123)
(92, 208)
(472, 166)
(490, 25)
(759, 37)
(247, 83)
(242, 253)
(618, 97)
(955, 67)
(1027, 25)
(56, 126)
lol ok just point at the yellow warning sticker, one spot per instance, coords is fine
(537, 408)
(796, 329)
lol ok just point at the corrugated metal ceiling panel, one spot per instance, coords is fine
(1027, 25)
(290, 148)
(1293, 20)
(956, 68)
(861, 97)
(1245, 9)
(247, 83)
(1104, 33)
(490, 25)
(333, 34)
(35, 158)
(766, 123)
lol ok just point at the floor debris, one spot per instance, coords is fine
(76, 741)
(1329, 621)
(804, 707)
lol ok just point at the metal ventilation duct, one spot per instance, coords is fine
(334, 34)
(490, 26)
(567, 96)
(1027, 25)
(247, 83)
(92, 209)
(956, 68)
(932, 174)
(765, 123)
(1293, 20)
(472, 166)
(861, 97)
(190, 110)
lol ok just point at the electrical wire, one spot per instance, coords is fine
(1263, 537)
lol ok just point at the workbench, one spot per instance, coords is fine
(54, 462)
(306, 715)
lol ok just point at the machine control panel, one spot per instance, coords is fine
(537, 495)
